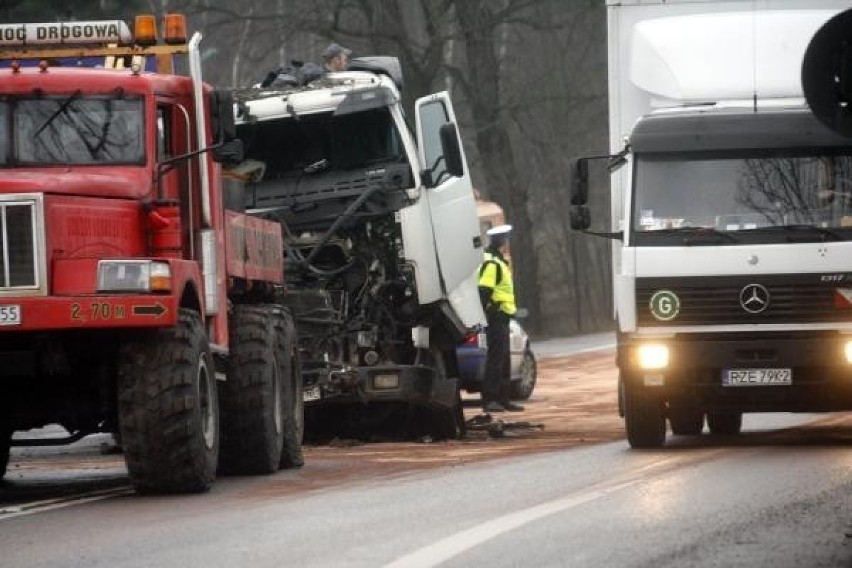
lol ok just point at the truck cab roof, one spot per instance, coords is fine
(346, 91)
(58, 80)
(719, 128)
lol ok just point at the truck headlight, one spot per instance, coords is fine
(847, 349)
(134, 276)
(653, 356)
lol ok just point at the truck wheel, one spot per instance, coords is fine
(643, 417)
(523, 389)
(439, 423)
(725, 423)
(252, 397)
(447, 424)
(5, 446)
(168, 409)
(686, 420)
(290, 363)
(459, 427)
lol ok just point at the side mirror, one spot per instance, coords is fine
(450, 148)
(580, 182)
(581, 219)
(222, 116)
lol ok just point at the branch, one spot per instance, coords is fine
(458, 76)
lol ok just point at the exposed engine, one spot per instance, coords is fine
(354, 299)
(335, 180)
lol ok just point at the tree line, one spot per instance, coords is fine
(527, 77)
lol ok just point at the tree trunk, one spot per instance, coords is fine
(503, 182)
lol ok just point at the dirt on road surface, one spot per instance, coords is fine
(574, 403)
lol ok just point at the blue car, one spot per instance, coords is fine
(471, 355)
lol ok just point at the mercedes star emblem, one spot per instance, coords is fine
(754, 298)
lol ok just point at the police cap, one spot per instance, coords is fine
(498, 235)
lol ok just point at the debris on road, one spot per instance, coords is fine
(501, 428)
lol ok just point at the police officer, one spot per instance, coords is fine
(498, 299)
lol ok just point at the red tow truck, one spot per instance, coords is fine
(136, 296)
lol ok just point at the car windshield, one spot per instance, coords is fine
(74, 129)
(777, 196)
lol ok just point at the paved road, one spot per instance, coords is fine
(561, 347)
(776, 496)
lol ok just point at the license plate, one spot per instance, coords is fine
(10, 314)
(311, 393)
(756, 377)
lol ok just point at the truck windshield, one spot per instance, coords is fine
(72, 130)
(310, 145)
(777, 196)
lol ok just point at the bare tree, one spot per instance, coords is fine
(556, 104)
(528, 78)
(480, 22)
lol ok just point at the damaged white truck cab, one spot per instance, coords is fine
(731, 206)
(382, 242)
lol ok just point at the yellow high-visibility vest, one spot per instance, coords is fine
(495, 274)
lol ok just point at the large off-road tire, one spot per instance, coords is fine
(168, 409)
(686, 419)
(5, 446)
(290, 364)
(523, 389)
(643, 417)
(252, 396)
(725, 423)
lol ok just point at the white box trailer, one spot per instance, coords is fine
(731, 213)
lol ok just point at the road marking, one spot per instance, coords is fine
(458, 543)
(11, 511)
(452, 546)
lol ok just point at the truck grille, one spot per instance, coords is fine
(720, 300)
(20, 266)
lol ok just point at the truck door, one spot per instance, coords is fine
(458, 244)
(174, 183)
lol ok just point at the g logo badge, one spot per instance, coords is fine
(664, 305)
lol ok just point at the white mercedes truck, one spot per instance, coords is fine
(382, 243)
(731, 217)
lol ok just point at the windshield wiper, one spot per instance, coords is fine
(802, 230)
(696, 235)
(62, 108)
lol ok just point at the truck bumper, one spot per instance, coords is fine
(414, 384)
(40, 313)
(820, 376)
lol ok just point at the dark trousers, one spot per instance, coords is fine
(495, 385)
